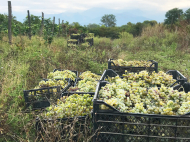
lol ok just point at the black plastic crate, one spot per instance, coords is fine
(121, 69)
(82, 36)
(80, 93)
(79, 37)
(108, 73)
(41, 98)
(90, 41)
(113, 125)
(178, 76)
(141, 128)
(180, 79)
(75, 36)
(186, 87)
(73, 42)
(82, 125)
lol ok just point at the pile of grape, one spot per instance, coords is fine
(74, 105)
(135, 63)
(145, 79)
(127, 97)
(150, 79)
(89, 74)
(88, 84)
(52, 82)
(73, 40)
(62, 74)
(71, 45)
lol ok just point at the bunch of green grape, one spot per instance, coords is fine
(86, 85)
(62, 74)
(145, 79)
(71, 45)
(72, 40)
(135, 99)
(135, 63)
(71, 106)
(86, 44)
(52, 82)
(89, 74)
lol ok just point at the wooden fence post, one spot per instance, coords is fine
(42, 24)
(29, 24)
(62, 28)
(53, 24)
(66, 30)
(59, 27)
(9, 22)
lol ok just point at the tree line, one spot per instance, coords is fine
(107, 28)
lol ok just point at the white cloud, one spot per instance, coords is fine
(59, 6)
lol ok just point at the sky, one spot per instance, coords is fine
(149, 7)
(60, 6)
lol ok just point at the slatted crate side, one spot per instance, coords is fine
(41, 98)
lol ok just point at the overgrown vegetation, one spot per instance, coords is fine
(24, 63)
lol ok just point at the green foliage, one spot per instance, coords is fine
(187, 15)
(173, 16)
(91, 26)
(136, 29)
(48, 33)
(151, 23)
(90, 35)
(108, 20)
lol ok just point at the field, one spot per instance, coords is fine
(24, 63)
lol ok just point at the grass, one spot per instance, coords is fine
(24, 63)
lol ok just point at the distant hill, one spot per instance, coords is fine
(94, 15)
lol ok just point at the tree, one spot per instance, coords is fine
(93, 25)
(75, 25)
(173, 16)
(151, 23)
(187, 15)
(138, 29)
(109, 20)
(2, 18)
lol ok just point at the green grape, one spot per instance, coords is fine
(74, 105)
(121, 62)
(127, 97)
(86, 85)
(145, 79)
(89, 74)
(61, 75)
